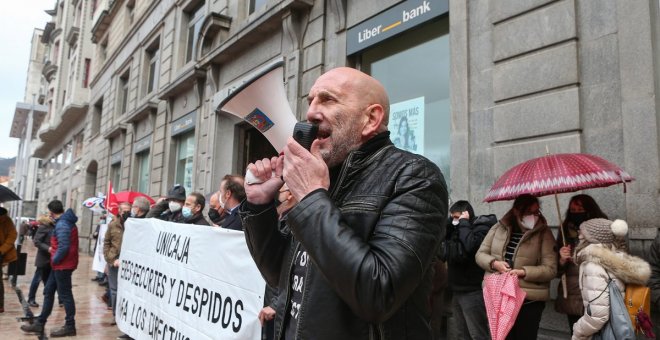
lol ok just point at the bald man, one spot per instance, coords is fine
(354, 258)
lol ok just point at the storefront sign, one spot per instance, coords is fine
(142, 144)
(395, 20)
(184, 124)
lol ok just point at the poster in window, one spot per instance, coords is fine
(407, 125)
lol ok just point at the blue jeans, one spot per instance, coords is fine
(60, 281)
(469, 313)
(40, 275)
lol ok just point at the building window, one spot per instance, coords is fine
(56, 52)
(152, 67)
(194, 25)
(68, 153)
(115, 175)
(420, 117)
(88, 63)
(185, 152)
(96, 117)
(122, 93)
(78, 145)
(255, 5)
(103, 52)
(143, 172)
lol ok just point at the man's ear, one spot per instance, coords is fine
(374, 115)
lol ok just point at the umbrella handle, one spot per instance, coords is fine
(564, 285)
(561, 229)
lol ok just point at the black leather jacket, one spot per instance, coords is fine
(372, 239)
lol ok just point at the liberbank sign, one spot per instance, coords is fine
(395, 20)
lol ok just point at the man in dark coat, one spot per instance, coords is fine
(465, 232)
(41, 241)
(192, 209)
(64, 260)
(232, 193)
(359, 244)
(169, 208)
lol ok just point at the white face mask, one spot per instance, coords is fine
(174, 206)
(455, 221)
(529, 221)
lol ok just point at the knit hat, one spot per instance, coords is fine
(177, 193)
(600, 230)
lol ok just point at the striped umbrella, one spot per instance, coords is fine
(552, 174)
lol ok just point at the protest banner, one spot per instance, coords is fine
(98, 264)
(182, 281)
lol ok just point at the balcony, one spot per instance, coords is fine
(49, 71)
(104, 19)
(253, 31)
(72, 37)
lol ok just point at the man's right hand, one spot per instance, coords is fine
(269, 171)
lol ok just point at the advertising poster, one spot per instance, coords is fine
(407, 125)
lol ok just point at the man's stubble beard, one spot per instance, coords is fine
(345, 138)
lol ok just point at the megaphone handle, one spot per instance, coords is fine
(250, 178)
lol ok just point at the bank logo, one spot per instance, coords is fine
(406, 15)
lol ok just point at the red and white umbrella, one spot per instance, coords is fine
(503, 298)
(553, 174)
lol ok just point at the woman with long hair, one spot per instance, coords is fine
(580, 208)
(521, 244)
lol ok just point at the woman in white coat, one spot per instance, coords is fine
(601, 257)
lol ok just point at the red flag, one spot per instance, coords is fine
(111, 200)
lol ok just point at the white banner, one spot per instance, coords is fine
(181, 281)
(99, 261)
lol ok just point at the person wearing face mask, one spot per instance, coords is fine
(580, 208)
(232, 193)
(140, 207)
(112, 249)
(521, 244)
(192, 209)
(465, 232)
(169, 208)
(216, 214)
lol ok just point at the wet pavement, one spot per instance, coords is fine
(93, 319)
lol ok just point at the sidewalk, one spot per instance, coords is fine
(92, 317)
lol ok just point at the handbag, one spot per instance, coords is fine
(18, 267)
(619, 326)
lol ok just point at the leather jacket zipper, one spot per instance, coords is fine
(342, 174)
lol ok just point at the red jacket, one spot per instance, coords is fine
(64, 243)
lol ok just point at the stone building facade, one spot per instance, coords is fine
(480, 86)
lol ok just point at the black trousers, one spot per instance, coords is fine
(527, 322)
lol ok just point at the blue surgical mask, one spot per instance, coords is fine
(186, 212)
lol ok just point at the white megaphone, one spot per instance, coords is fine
(261, 102)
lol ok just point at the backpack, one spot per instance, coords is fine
(638, 304)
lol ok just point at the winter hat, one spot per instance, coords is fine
(177, 193)
(600, 230)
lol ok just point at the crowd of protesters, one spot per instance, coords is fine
(375, 222)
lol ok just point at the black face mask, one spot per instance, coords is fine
(125, 215)
(214, 216)
(577, 218)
